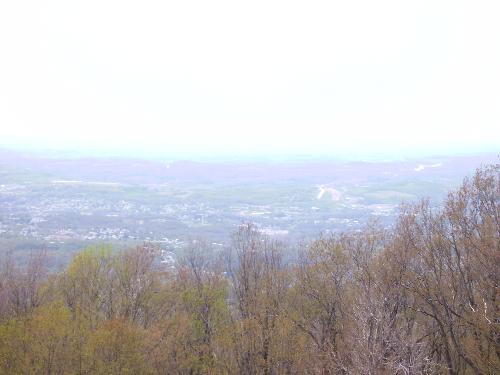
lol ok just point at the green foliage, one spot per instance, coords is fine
(117, 347)
(13, 340)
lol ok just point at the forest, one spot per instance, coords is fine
(420, 297)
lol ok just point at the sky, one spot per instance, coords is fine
(195, 79)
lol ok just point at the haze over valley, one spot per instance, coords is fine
(62, 204)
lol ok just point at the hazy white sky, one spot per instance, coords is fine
(268, 77)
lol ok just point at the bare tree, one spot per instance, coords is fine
(259, 283)
(20, 287)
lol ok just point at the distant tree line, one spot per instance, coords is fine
(421, 298)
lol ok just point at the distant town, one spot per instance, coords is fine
(130, 202)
